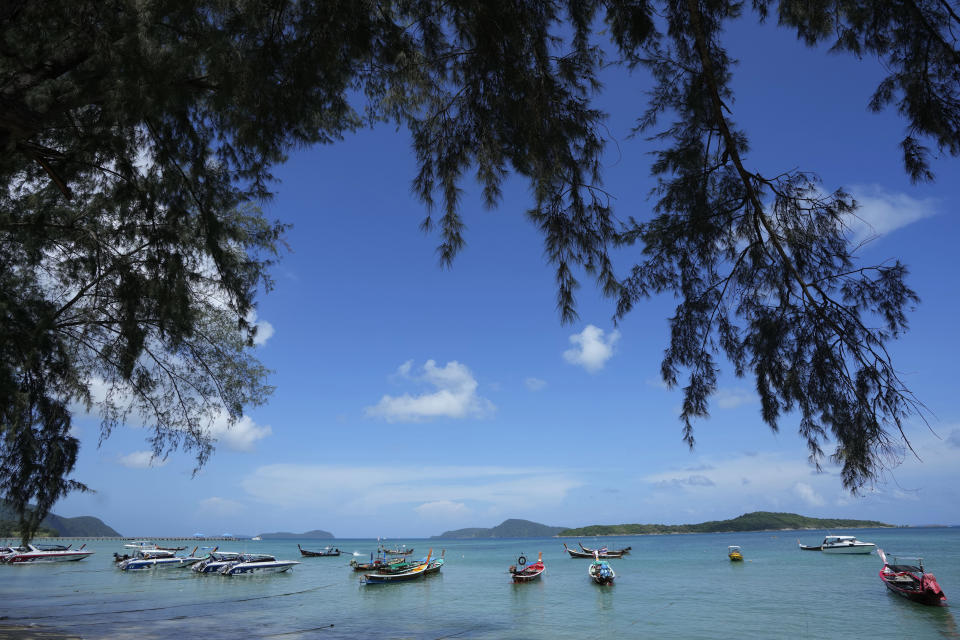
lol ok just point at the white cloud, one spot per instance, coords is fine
(141, 460)
(806, 493)
(455, 395)
(534, 384)
(241, 436)
(733, 398)
(264, 329)
(369, 489)
(442, 509)
(592, 348)
(215, 506)
(882, 212)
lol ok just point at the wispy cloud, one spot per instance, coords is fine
(368, 489)
(953, 440)
(241, 436)
(454, 396)
(806, 493)
(221, 507)
(592, 347)
(141, 460)
(535, 384)
(733, 398)
(689, 481)
(882, 212)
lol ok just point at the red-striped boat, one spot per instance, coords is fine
(910, 580)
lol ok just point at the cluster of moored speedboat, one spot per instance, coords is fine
(227, 563)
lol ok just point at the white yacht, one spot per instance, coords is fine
(846, 544)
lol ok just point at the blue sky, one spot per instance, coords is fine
(412, 399)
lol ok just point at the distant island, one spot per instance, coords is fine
(286, 535)
(756, 521)
(512, 528)
(54, 526)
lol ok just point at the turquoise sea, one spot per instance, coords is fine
(674, 586)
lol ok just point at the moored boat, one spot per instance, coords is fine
(34, 554)
(910, 580)
(734, 553)
(399, 551)
(603, 550)
(522, 572)
(147, 559)
(405, 575)
(600, 571)
(845, 544)
(253, 563)
(327, 551)
(216, 561)
(583, 554)
(376, 563)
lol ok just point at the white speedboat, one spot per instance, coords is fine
(140, 544)
(253, 563)
(147, 559)
(845, 544)
(216, 560)
(32, 554)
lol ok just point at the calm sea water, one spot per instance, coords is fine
(680, 586)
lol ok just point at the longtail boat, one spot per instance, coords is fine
(318, 554)
(582, 554)
(527, 573)
(375, 564)
(600, 571)
(603, 550)
(418, 571)
(910, 580)
(401, 551)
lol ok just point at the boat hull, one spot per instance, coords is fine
(850, 549)
(527, 575)
(29, 558)
(927, 596)
(247, 569)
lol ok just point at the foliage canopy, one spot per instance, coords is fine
(139, 137)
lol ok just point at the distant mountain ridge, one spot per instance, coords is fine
(57, 526)
(511, 528)
(755, 521)
(286, 535)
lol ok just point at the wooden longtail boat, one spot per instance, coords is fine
(527, 573)
(318, 554)
(603, 550)
(403, 551)
(600, 571)
(418, 571)
(376, 564)
(582, 554)
(910, 581)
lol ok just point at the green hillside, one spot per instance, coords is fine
(756, 521)
(286, 535)
(54, 525)
(512, 528)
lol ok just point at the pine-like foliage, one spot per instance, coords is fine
(138, 137)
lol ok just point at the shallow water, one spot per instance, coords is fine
(680, 586)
